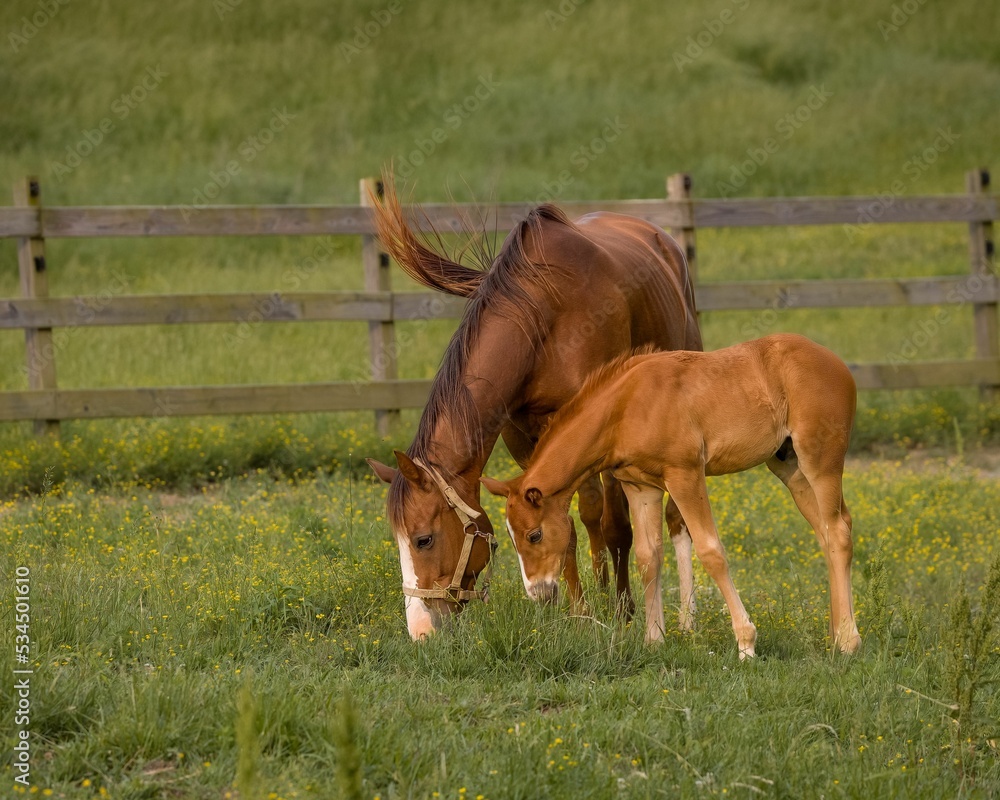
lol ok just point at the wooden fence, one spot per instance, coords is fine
(31, 223)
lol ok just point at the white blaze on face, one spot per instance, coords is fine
(421, 620)
(520, 561)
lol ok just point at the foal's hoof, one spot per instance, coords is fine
(849, 645)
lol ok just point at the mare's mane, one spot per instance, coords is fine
(503, 287)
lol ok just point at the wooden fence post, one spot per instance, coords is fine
(679, 188)
(381, 335)
(982, 262)
(39, 350)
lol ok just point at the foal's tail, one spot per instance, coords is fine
(420, 262)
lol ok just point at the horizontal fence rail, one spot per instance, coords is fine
(37, 314)
(145, 221)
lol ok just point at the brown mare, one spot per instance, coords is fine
(560, 299)
(663, 421)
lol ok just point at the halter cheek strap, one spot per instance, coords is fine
(468, 516)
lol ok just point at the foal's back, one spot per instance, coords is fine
(733, 408)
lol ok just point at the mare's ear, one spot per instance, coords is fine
(384, 473)
(533, 496)
(493, 486)
(411, 471)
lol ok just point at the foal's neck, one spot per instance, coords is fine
(570, 452)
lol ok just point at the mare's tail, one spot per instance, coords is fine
(420, 262)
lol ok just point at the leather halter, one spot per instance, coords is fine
(467, 516)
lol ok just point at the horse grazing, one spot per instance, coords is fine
(560, 299)
(663, 421)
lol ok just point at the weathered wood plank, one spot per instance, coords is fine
(210, 400)
(778, 295)
(264, 220)
(740, 212)
(382, 351)
(982, 262)
(62, 312)
(303, 398)
(180, 309)
(926, 374)
(40, 354)
(18, 222)
(316, 220)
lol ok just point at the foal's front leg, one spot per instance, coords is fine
(646, 504)
(687, 488)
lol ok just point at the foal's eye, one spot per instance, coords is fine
(425, 541)
(535, 536)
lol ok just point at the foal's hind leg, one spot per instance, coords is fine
(827, 514)
(618, 535)
(590, 497)
(681, 540)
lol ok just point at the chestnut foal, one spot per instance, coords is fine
(662, 421)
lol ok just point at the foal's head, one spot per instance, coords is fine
(542, 532)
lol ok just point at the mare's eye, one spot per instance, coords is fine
(425, 541)
(535, 536)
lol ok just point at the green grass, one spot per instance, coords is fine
(181, 641)
(211, 597)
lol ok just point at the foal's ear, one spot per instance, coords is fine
(533, 496)
(493, 486)
(384, 473)
(410, 471)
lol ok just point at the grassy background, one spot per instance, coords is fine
(549, 80)
(155, 605)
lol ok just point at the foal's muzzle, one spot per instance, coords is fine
(544, 592)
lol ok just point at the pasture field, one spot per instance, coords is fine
(214, 603)
(251, 634)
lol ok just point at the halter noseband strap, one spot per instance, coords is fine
(467, 516)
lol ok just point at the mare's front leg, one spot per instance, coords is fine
(590, 498)
(646, 504)
(687, 488)
(571, 572)
(618, 537)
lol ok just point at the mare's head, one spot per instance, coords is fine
(432, 533)
(542, 533)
